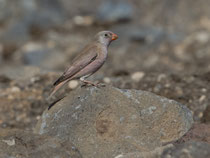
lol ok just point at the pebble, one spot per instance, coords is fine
(10, 97)
(137, 76)
(200, 115)
(204, 90)
(73, 84)
(167, 85)
(15, 89)
(9, 142)
(202, 37)
(38, 117)
(202, 98)
(107, 80)
(31, 46)
(83, 20)
(161, 77)
(34, 79)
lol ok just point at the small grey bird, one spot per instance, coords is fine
(91, 58)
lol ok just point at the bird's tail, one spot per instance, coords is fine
(57, 87)
(52, 104)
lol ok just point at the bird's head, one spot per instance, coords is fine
(106, 37)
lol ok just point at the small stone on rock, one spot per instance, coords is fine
(73, 84)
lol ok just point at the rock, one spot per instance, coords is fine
(147, 34)
(152, 35)
(206, 115)
(156, 153)
(13, 33)
(21, 72)
(107, 121)
(31, 17)
(114, 11)
(37, 54)
(199, 132)
(4, 11)
(25, 144)
(190, 149)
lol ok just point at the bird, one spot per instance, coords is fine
(88, 61)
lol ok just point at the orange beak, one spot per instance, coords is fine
(114, 37)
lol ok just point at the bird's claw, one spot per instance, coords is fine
(84, 85)
(93, 84)
(100, 85)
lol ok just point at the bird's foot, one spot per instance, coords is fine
(98, 84)
(87, 83)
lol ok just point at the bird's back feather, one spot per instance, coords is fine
(88, 55)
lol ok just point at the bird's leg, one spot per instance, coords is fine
(87, 82)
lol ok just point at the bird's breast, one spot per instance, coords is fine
(103, 53)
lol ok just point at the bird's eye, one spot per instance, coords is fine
(106, 35)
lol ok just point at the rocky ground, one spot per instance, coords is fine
(163, 48)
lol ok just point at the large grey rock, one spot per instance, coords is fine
(25, 144)
(105, 122)
(199, 132)
(190, 149)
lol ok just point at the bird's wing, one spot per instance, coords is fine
(87, 56)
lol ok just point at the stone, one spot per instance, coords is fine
(189, 149)
(206, 115)
(156, 153)
(105, 122)
(21, 72)
(31, 17)
(152, 35)
(199, 132)
(73, 84)
(36, 54)
(83, 20)
(17, 143)
(114, 11)
(107, 80)
(4, 11)
(137, 76)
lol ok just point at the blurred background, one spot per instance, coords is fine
(163, 47)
